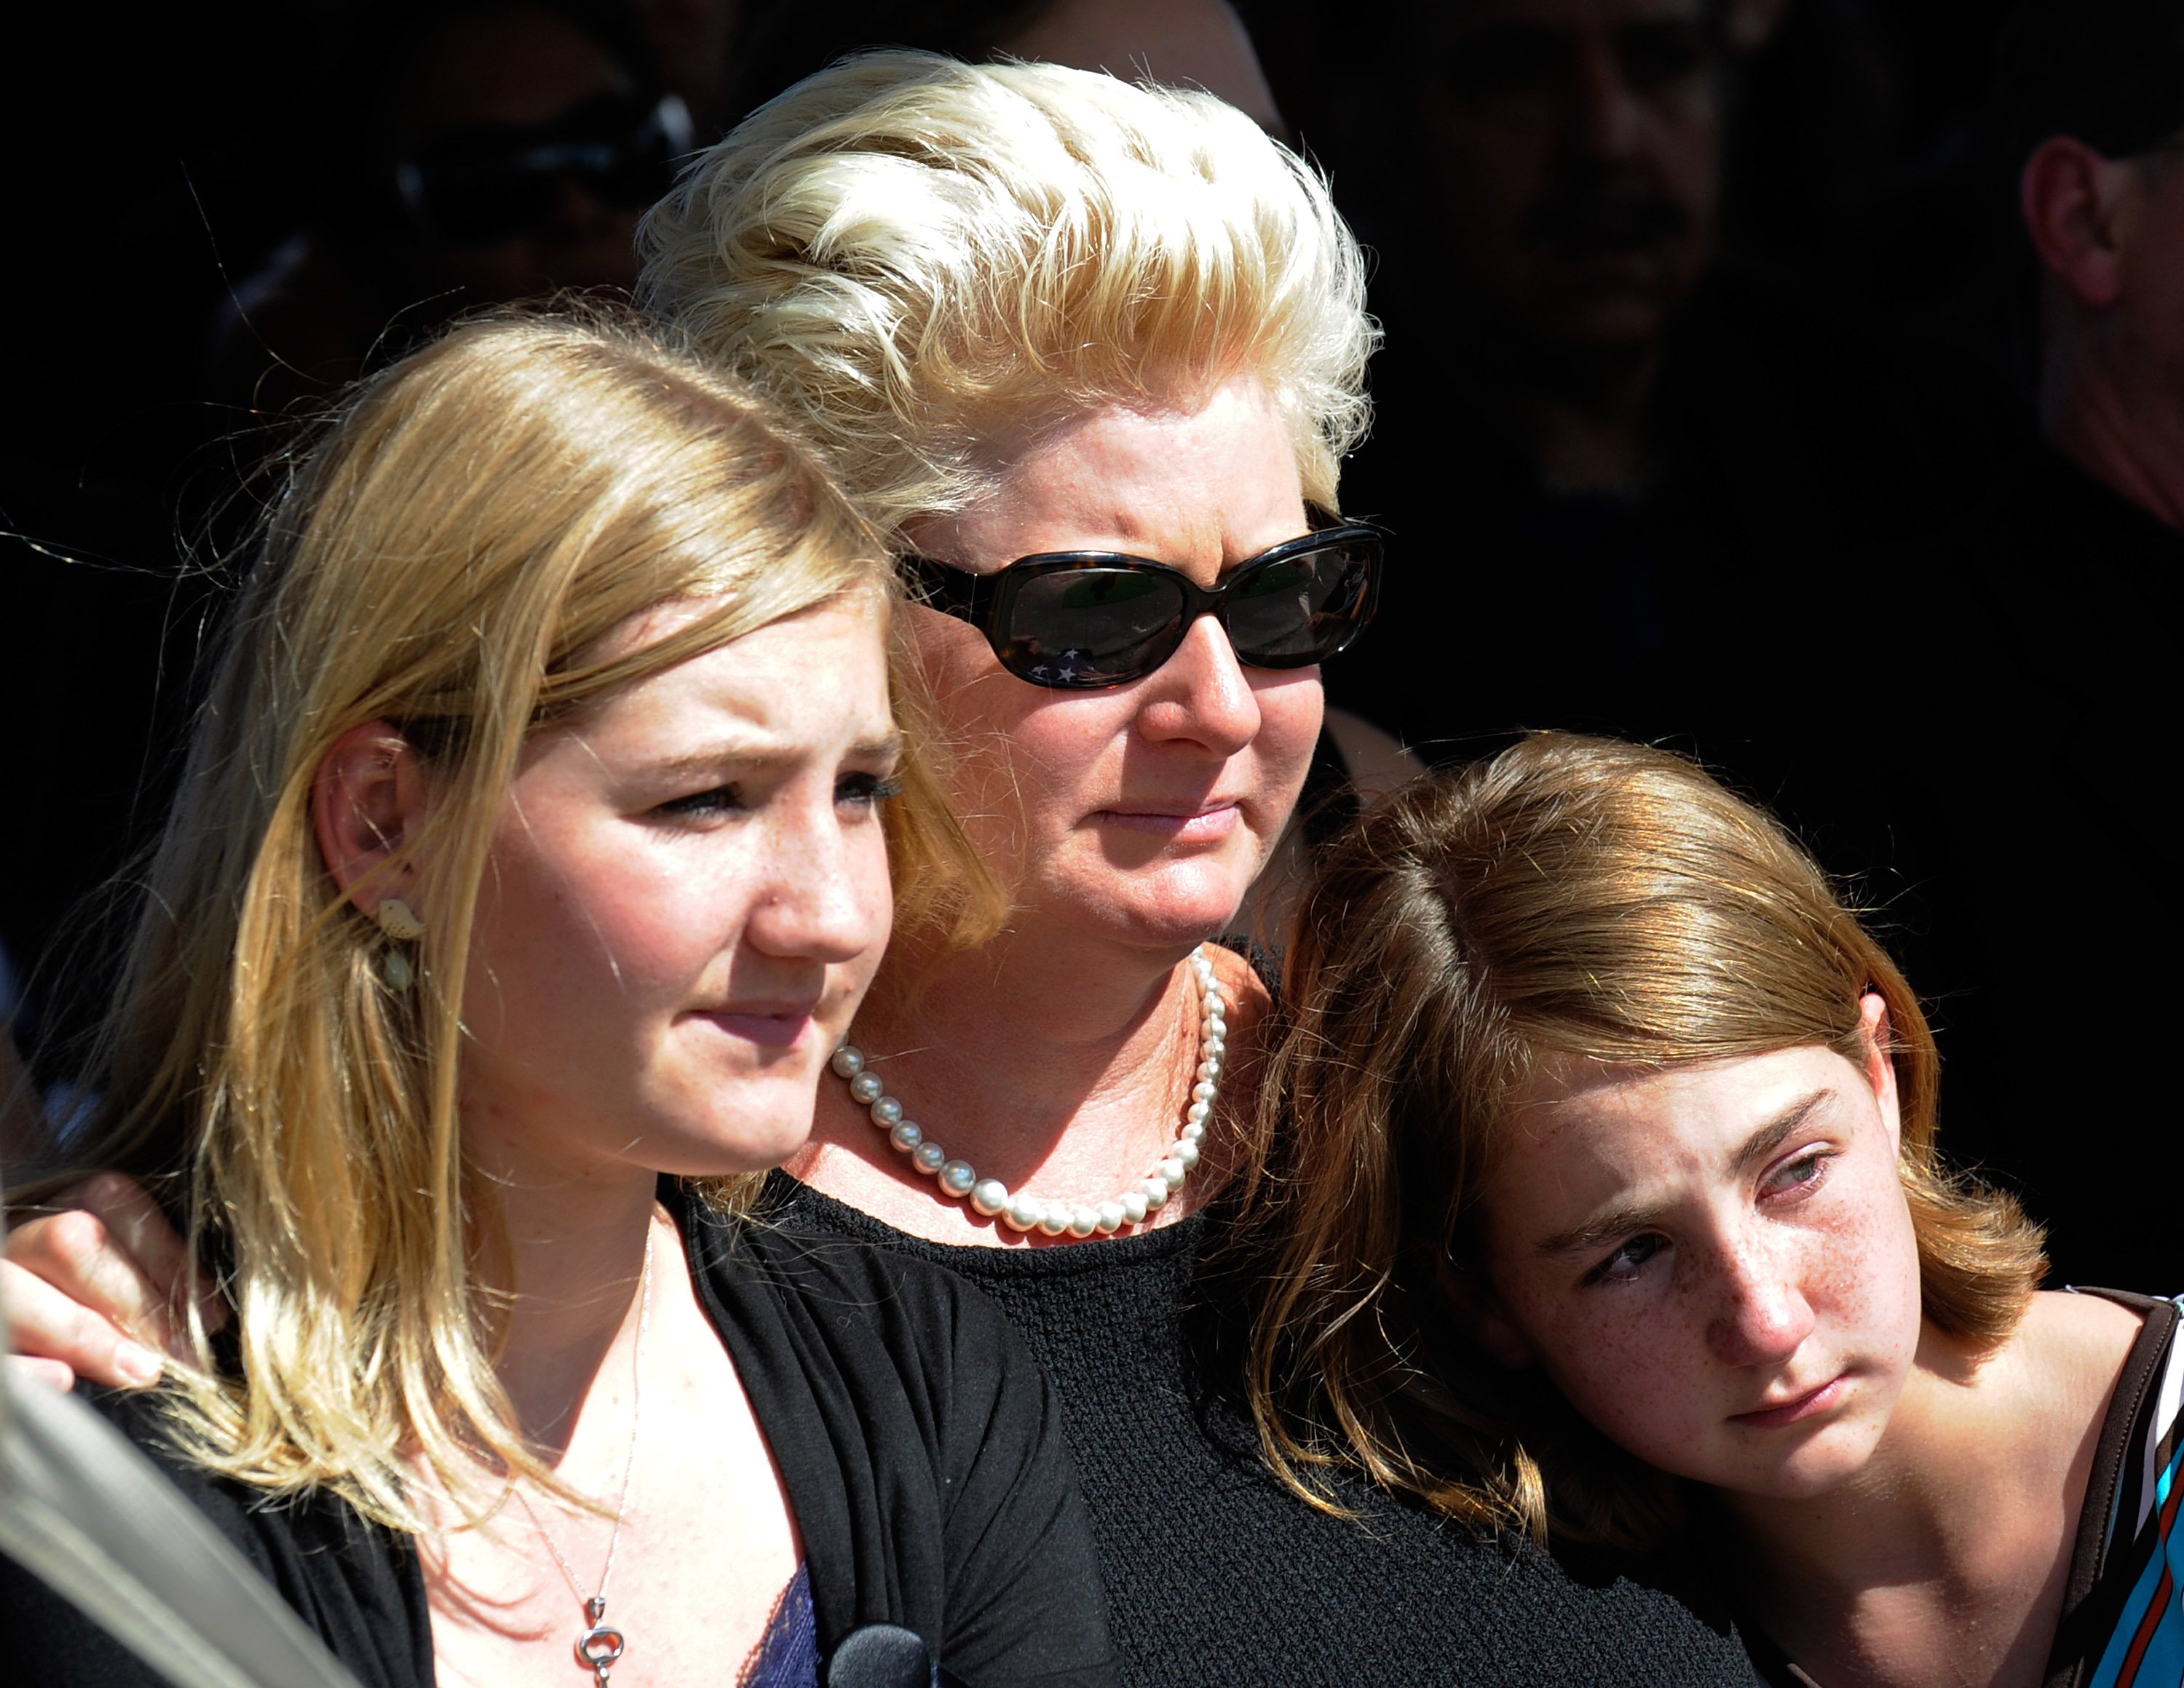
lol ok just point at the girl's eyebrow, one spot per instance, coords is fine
(1776, 1132)
(758, 755)
(1628, 1218)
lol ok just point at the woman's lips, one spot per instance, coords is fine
(1207, 824)
(770, 1027)
(1803, 1406)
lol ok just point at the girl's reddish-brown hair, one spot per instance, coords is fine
(1572, 899)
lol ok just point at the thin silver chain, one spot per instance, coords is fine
(629, 1468)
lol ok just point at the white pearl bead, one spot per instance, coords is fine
(1134, 1207)
(1198, 1112)
(866, 1087)
(1156, 1194)
(1054, 1219)
(848, 1062)
(1025, 1212)
(886, 1113)
(957, 1178)
(1216, 1027)
(906, 1135)
(1195, 1131)
(930, 1156)
(1110, 1215)
(990, 1196)
(1209, 1069)
(1173, 1172)
(1187, 1152)
(1217, 1047)
(1204, 1090)
(1083, 1221)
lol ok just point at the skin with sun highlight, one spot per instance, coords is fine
(689, 896)
(686, 900)
(1125, 825)
(1142, 812)
(1715, 1264)
(1715, 1261)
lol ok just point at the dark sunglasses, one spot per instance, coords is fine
(1084, 620)
(495, 181)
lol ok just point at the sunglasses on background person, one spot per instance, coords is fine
(491, 182)
(1085, 620)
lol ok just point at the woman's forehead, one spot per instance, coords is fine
(1208, 483)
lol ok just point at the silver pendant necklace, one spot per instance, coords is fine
(994, 1199)
(601, 1644)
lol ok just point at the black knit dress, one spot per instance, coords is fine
(1217, 1576)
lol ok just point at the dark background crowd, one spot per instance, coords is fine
(1798, 382)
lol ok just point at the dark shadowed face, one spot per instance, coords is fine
(1573, 148)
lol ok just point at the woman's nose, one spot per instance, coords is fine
(1763, 1318)
(1202, 694)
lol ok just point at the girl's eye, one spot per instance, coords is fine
(719, 799)
(1624, 1264)
(1801, 1173)
(867, 790)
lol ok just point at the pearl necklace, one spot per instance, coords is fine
(993, 1198)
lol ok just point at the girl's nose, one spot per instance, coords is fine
(1764, 1317)
(813, 906)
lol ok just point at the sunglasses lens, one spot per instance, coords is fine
(1092, 626)
(1297, 610)
(498, 181)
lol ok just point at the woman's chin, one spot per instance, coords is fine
(1178, 902)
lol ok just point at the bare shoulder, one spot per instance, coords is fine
(2075, 1347)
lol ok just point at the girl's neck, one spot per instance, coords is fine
(569, 1259)
(1945, 1556)
(1897, 1517)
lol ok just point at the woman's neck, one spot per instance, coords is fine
(1068, 1081)
(1945, 1557)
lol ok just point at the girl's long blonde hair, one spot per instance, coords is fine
(1572, 899)
(449, 557)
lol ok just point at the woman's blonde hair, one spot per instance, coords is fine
(1571, 900)
(449, 557)
(928, 261)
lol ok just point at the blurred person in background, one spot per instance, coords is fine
(1636, 451)
(481, 152)
(1193, 43)
(2061, 678)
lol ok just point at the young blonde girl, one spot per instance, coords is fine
(529, 865)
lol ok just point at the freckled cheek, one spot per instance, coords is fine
(1861, 1268)
(1640, 1380)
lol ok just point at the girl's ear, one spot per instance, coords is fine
(1479, 1316)
(367, 798)
(1879, 1064)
